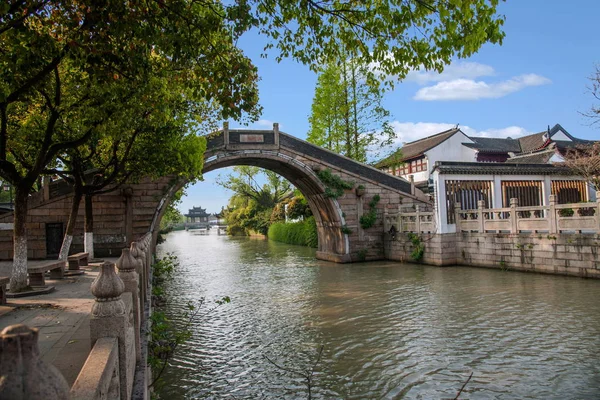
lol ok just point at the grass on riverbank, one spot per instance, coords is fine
(303, 233)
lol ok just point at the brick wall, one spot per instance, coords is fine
(110, 220)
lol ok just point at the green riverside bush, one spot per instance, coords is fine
(303, 233)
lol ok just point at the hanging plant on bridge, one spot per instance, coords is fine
(334, 185)
(368, 219)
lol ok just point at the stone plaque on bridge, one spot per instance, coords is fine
(247, 138)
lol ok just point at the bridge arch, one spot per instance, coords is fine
(297, 161)
(333, 244)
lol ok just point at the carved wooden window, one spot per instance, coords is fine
(467, 193)
(529, 193)
(569, 191)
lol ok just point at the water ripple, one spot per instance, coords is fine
(389, 331)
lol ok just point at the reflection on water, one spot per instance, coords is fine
(389, 330)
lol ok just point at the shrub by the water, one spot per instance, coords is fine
(303, 233)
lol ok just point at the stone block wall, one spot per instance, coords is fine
(439, 249)
(367, 244)
(560, 254)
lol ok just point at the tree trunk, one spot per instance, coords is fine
(347, 113)
(88, 235)
(357, 155)
(68, 239)
(18, 278)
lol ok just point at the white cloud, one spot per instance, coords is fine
(265, 123)
(510, 131)
(467, 89)
(458, 70)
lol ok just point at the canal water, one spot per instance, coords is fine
(388, 330)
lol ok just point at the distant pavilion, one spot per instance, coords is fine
(196, 215)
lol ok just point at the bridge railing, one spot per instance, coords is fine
(552, 218)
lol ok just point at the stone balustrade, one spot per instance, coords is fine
(409, 221)
(99, 377)
(116, 367)
(553, 218)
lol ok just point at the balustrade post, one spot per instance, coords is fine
(597, 215)
(126, 265)
(552, 215)
(457, 208)
(25, 376)
(514, 203)
(226, 134)
(417, 219)
(110, 319)
(144, 252)
(148, 251)
(480, 220)
(136, 252)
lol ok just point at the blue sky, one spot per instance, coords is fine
(538, 77)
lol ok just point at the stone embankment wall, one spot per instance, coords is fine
(119, 217)
(561, 254)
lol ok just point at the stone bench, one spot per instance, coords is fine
(77, 260)
(36, 273)
(3, 281)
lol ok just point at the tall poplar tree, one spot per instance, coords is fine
(347, 114)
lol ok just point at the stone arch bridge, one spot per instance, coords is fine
(122, 216)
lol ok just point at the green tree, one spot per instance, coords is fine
(67, 60)
(298, 208)
(124, 149)
(252, 204)
(347, 114)
(246, 182)
(326, 125)
(68, 67)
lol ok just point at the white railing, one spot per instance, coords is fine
(410, 221)
(553, 218)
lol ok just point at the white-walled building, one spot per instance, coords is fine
(455, 168)
(497, 183)
(415, 160)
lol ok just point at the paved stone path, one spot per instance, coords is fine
(63, 318)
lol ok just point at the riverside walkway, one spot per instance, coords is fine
(62, 317)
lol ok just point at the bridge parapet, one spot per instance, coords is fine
(241, 139)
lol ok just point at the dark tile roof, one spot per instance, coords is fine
(493, 145)
(416, 148)
(508, 168)
(538, 157)
(532, 142)
(526, 147)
